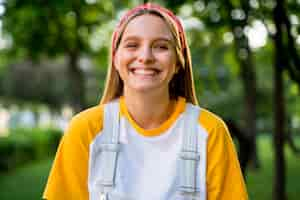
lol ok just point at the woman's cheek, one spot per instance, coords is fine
(126, 57)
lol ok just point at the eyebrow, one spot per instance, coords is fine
(156, 39)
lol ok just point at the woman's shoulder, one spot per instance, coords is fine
(207, 119)
(87, 123)
(91, 118)
(90, 115)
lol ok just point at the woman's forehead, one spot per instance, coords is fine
(147, 26)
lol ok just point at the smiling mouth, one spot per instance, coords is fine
(144, 72)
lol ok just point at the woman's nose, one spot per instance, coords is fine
(145, 55)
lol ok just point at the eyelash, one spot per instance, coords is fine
(164, 47)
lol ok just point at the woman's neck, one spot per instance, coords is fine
(149, 111)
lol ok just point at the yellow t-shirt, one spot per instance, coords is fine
(68, 178)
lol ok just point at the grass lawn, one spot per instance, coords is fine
(28, 181)
(260, 182)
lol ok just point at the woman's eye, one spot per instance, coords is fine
(131, 45)
(162, 47)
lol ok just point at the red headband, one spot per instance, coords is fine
(149, 6)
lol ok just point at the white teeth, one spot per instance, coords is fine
(144, 71)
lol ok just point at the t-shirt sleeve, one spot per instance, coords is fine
(68, 176)
(224, 178)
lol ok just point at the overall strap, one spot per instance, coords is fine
(110, 147)
(189, 156)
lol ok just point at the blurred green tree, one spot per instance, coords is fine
(286, 58)
(57, 28)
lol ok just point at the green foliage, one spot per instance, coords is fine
(23, 145)
(59, 29)
(55, 27)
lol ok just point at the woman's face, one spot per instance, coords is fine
(146, 58)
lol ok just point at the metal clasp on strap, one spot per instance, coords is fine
(103, 196)
(190, 155)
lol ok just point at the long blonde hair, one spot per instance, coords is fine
(182, 83)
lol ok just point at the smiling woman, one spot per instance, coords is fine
(148, 139)
(146, 61)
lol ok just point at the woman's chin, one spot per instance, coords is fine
(145, 89)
